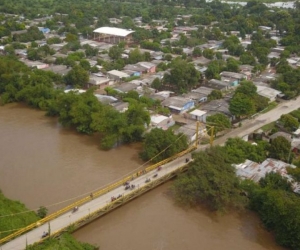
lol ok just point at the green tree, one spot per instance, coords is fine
(77, 76)
(241, 105)
(260, 102)
(247, 88)
(183, 76)
(197, 52)
(276, 181)
(159, 145)
(115, 52)
(247, 58)
(280, 148)
(208, 53)
(289, 122)
(210, 181)
(135, 56)
(295, 172)
(137, 119)
(156, 84)
(219, 122)
(232, 65)
(42, 212)
(238, 150)
(215, 95)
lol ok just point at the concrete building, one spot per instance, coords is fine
(232, 77)
(198, 115)
(178, 104)
(190, 131)
(150, 67)
(197, 97)
(97, 81)
(204, 91)
(161, 121)
(125, 87)
(268, 92)
(120, 106)
(135, 69)
(113, 35)
(217, 106)
(58, 69)
(218, 85)
(117, 75)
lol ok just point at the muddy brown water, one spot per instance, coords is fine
(44, 164)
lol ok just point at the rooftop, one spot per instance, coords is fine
(113, 31)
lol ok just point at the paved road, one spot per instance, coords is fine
(248, 126)
(68, 218)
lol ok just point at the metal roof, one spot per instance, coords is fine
(113, 31)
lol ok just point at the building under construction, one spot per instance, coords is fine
(113, 35)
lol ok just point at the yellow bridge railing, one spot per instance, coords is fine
(95, 194)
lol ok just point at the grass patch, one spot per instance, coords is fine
(15, 216)
(268, 127)
(271, 106)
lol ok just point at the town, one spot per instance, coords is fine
(196, 72)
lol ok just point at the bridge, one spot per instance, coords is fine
(99, 202)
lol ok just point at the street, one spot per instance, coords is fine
(250, 125)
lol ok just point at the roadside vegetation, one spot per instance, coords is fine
(14, 215)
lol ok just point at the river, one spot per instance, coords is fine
(44, 164)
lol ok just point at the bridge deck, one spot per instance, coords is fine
(93, 208)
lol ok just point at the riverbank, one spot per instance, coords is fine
(43, 164)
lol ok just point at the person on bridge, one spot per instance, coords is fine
(45, 234)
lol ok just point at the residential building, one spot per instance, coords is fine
(270, 93)
(217, 106)
(150, 67)
(97, 81)
(125, 87)
(190, 131)
(178, 104)
(255, 171)
(232, 77)
(161, 121)
(198, 115)
(218, 85)
(117, 75)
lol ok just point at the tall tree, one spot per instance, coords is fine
(241, 105)
(280, 149)
(159, 145)
(210, 181)
(219, 122)
(77, 76)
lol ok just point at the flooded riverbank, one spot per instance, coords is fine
(44, 164)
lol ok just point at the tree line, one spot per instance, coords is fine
(211, 181)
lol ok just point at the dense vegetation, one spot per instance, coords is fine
(246, 101)
(14, 215)
(160, 144)
(278, 208)
(211, 181)
(83, 112)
